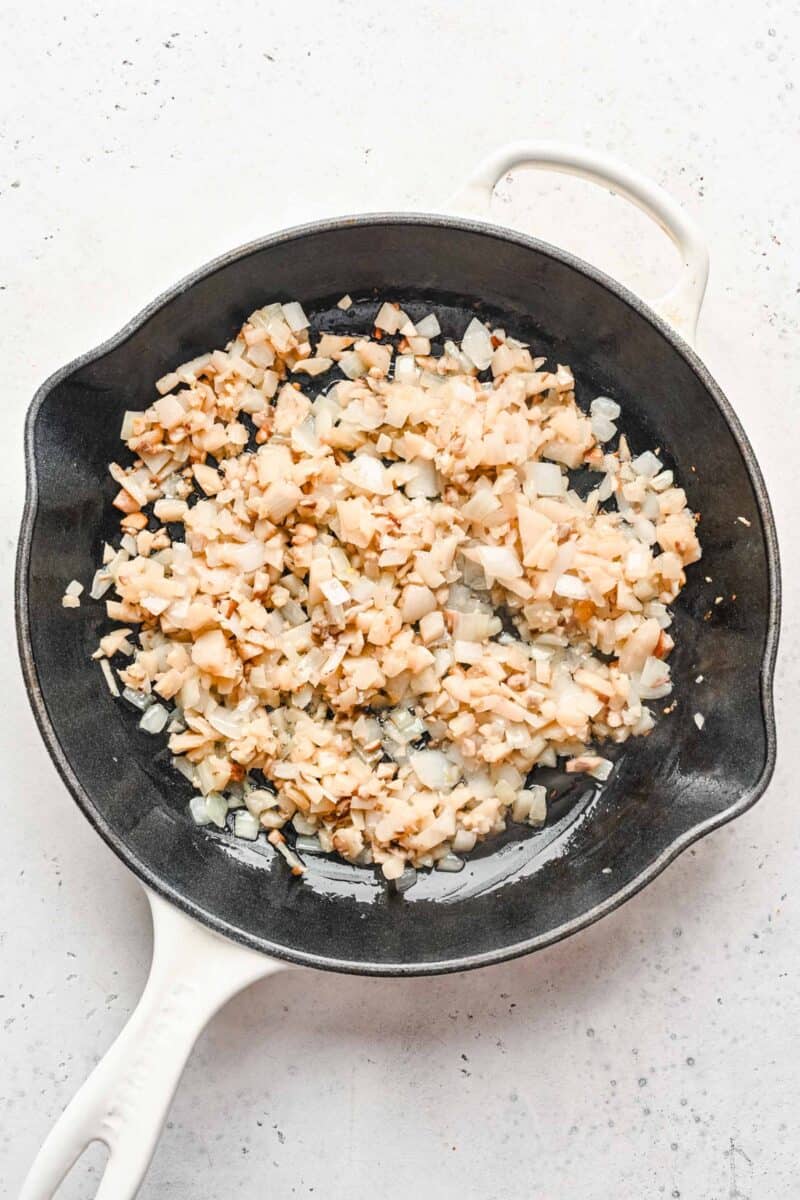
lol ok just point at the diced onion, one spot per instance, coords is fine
(531, 805)
(225, 723)
(259, 800)
(101, 582)
(606, 489)
(313, 366)
(154, 719)
(217, 809)
(650, 507)
(334, 591)
(477, 344)
(305, 844)
(388, 318)
(108, 674)
(429, 326)
(199, 810)
(464, 841)
(246, 826)
(662, 481)
(450, 862)
(406, 369)
(138, 699)
(647, 464)
(602, 770)
(547, 479)
(352, 365)
(425, 482)
(434, 769)
(155, 604)
(128, 419)
(406, 879)
(250, 556)
(604, 407)
(500, 562)
(305, 437)
(571, 587)
(467, 652)
(294, 316)
(475, 626)
(603, 429)
(367, 473)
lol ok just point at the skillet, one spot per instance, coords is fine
(226, 912)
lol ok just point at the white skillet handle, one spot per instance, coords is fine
(681, 305)
(125, 1100)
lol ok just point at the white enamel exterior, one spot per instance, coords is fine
(125, 1100)
(680, 306)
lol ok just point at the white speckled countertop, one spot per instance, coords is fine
(652, 1055)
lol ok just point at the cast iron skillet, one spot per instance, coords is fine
(526, 889)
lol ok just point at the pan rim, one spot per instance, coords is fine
(466, 962)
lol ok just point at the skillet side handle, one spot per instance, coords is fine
(680, 306)
(125, 1100)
